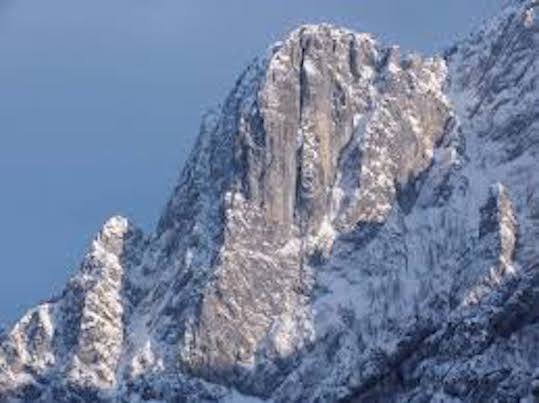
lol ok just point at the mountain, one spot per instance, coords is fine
(355, 224)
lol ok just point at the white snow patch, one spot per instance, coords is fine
(237, 397)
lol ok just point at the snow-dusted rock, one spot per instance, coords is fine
(354, 224)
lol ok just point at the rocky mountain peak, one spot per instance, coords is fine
(355, 223)
(113, 234)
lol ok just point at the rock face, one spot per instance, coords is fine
(355, 224)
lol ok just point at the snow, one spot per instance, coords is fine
(310, 68)
(236, 397)
(355, 285)
(529, 18)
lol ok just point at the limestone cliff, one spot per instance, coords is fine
(355, 224)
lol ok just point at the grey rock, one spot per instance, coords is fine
(354, 224)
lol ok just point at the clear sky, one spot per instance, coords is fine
(100, 102)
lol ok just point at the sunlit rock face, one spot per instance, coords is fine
(354, 224)
(325, 135)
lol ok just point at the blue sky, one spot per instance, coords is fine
(100, 102)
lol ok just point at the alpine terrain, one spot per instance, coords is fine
(354, 224)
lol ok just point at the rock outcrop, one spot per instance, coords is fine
(355, 224)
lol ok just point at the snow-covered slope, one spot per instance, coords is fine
(355, 224)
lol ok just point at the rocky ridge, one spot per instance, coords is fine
(355, 224)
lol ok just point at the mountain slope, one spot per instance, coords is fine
(355, 224)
